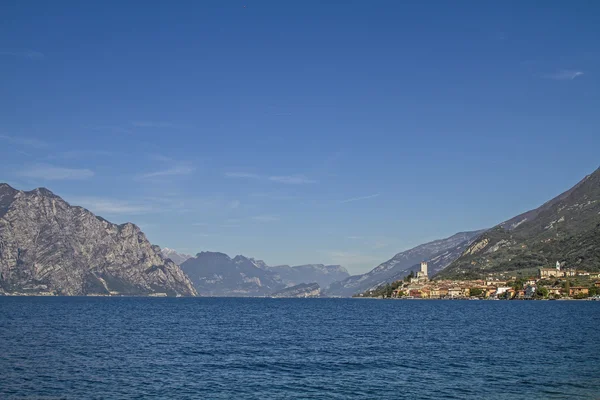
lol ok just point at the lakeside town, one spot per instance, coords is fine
(558, 283)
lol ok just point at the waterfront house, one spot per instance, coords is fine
(502, 289)
(455, 292)
(578, 290)
(554, 290)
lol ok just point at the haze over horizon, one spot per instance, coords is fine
(300, 133)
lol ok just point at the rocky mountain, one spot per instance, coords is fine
(216, 274)
(565, 229)
(323, 275)
(302, 290)
(48, 246)
(439, 254)
(177, 258)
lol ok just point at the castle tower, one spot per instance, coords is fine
(424, 268)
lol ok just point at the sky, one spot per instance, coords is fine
(336, 132)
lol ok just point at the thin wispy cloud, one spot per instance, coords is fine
(160, 158)
(273, 196)
(53, 173)
(265, 218)
(110, 128)
(285, 179)
(371, 196)
(169, 172)
(234, 204)
(292, 179)
(99, 205)
(564, 75)
(79, 154)
(242, 175)
(28, 54)
(23, 141)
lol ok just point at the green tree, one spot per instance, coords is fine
(542, 292)
(476, 292)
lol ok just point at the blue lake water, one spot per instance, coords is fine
(122, 348)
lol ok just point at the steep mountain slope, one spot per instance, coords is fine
(439, 253)
(177, 258)
(47, 245)
(565, 229)
(323, 275)
(216, 274)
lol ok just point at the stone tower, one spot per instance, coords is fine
(424, 268)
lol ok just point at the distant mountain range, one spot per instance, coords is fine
(439, 254)
(302, 290)
(565, 229)
(217, 274)
(323, 275)
(48, 246)
(177, 258)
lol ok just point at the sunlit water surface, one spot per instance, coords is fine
(121, 348)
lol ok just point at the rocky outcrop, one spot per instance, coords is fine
(302, 290)
(48, 246)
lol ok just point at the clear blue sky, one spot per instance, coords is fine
(297, 132)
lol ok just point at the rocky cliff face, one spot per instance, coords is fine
(439, 254)
(49, 246)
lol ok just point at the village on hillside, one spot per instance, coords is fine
(549, 284)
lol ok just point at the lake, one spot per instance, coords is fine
(222, 348)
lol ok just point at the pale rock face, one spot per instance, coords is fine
(47, 245)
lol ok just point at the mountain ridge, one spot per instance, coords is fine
(50, 246)
(404, 262)
(217, 274)
(563, 229)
